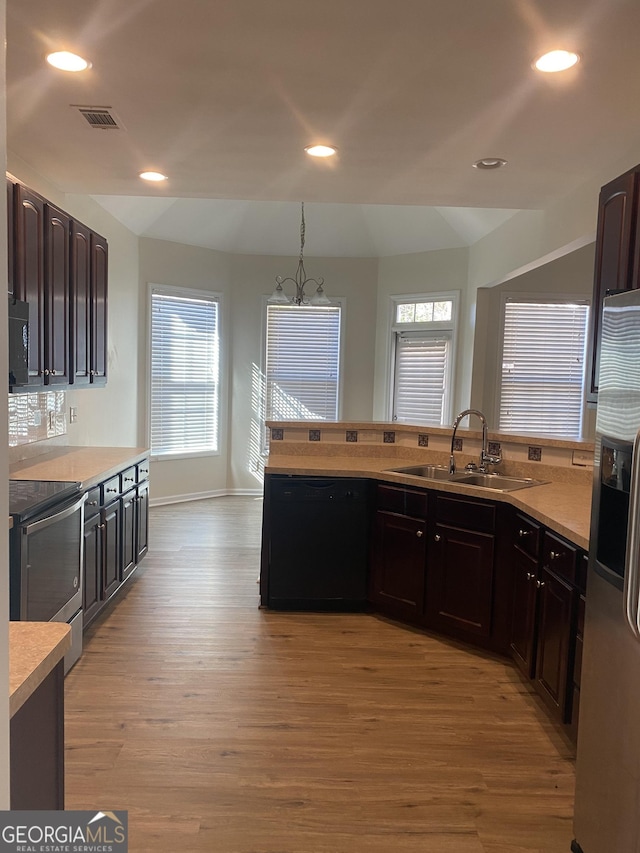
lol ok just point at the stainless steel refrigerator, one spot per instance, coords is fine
(607, 807)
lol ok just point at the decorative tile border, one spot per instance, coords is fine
(277, 434)
(389, 437)
(494, 448)
(314, 435)
(423, 440)
(457, 444)
(535, 454)
(352, 435)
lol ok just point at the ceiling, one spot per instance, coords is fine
(223, 96)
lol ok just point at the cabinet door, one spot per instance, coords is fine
(616, 241)
(92, 579)
(554, 646)
(99, 274)
(57, 307)
(128, 533)
(460, 581)
(29, 271)
(523, 612)
(111, 574)
(398, 565)
(142, 521)
(80, 303)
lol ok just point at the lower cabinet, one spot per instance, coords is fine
(398, 564)
(549, 577)
(460, 580)
(115, 535)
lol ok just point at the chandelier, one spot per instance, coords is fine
(300, 280)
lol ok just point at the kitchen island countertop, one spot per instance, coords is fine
(562, 507)
(35, 648)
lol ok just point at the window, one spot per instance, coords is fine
(303, 362)
(185, 368)
(422, 334)
(542, 376)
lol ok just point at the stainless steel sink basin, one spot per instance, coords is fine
(495, 482)
(429, 472)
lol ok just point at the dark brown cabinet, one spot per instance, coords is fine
(398, 564)
(617, 261)
(525, 556)
(553, 650)
(460, 581)
(115, 535)
(60, 267)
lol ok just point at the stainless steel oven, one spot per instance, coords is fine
(46, 544)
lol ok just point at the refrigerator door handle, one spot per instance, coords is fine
(631, 595)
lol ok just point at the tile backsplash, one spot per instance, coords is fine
(36, 417)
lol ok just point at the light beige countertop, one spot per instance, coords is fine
(85, 465)
(34, 650)
(563, 507)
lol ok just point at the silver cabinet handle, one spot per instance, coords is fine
(530, 576)
(437, 537)
(553, 555)
(419, 534)
(46, 371)
(92, 503)
(522, 533)
(539, 584)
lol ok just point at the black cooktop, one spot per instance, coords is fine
(32, 497)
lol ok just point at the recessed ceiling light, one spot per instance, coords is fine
(153, 176)
(489, 163)
(321, 150)
(66, 61)
(556, 60)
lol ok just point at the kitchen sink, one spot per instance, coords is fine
(494, 482)
(429, 472)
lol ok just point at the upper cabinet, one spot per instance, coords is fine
(617, 261)
(60, 267)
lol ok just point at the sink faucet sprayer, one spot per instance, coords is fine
(485, 458)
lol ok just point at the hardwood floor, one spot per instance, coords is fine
(229, 729)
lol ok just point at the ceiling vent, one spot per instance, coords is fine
(100, 118)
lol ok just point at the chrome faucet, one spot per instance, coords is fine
(485, 457)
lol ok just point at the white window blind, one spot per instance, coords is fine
(543, 368)
(420, 381)
(185, 352)
(302, 362)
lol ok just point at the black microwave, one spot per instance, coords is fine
(18, 343)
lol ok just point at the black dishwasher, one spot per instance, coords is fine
(318, 533)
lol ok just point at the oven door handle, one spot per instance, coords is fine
(51, 519)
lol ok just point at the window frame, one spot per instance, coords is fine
(433, 329)
(335, 302)
(540, 298)
(186, 293)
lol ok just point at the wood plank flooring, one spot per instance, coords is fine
(229, 729)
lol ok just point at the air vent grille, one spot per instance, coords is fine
(100, 118)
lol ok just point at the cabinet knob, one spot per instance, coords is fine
(539, 584)
(530, 576)
(92, 503)
(553, 555)
(437, 537)
(111, 490)
(419, 534)
(92, 373)
(523, 533)
(128, 479)
(46, 371)
(53, 373)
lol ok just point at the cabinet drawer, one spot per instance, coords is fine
(559, 556)
(465, 513)
(402, 501)
(128, 479)
(92, 503)
(527, 535)
(142, 471)
(110, 490)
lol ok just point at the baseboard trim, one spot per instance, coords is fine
(202, 496)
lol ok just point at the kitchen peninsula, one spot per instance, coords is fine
(500, 570)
